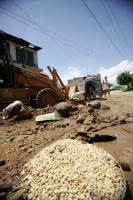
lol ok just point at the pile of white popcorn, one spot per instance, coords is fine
(70, 170)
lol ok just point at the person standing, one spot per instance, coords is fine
(105, 86)
(101, 90)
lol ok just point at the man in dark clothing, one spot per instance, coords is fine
(89, 82)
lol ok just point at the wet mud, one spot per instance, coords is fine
(110, 128)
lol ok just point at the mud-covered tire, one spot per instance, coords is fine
(32, 102)
(46, 97)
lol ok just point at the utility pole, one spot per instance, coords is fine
(88, 58)
(86, 72)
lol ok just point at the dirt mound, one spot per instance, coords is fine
(20, 140)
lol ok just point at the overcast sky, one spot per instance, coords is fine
(70, 30)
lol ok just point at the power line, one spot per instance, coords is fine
(119, 27)
(114, 27)
(82, 51)
(16, 14)
(53, 33)
(46, 33)
(57, 39)
(103, 29)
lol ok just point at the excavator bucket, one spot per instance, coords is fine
(72, 90)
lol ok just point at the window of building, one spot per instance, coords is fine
(25, 56)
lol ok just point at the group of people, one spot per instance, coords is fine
(90, 86)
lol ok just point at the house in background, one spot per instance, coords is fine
(28, 53)
(79, 82)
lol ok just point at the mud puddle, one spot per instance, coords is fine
(122, 148)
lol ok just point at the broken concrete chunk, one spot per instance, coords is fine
(81, 118)
(104, 107)
(89, 120)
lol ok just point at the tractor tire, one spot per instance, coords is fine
(46, 97)
(32, 102)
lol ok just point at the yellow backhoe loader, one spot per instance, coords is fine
(27, 85)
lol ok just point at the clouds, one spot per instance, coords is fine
(71, 73)
(113, 72)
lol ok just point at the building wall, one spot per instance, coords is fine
(12, 52)
(80, 82)
(14, 55)
(96, 77)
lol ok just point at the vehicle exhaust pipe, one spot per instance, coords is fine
(22, 58)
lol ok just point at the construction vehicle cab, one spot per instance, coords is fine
(28, 85)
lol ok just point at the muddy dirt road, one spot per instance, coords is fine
(20, 140)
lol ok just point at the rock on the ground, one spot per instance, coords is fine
(89, 120)
(81, 118)
(2, 162)
(104, 107)
(63, 108)
(125, 166)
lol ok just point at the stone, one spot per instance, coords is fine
(89, 120)
(23, 148)
(34, 131)
(104, 107)
(37, 142)
(9, 167)
(125, 166)
(21, 145)
(81, 118)
(24, 113)
(29, 132)
(2, 183)
(12, 138)
(2, 162)
(90, 110)
(30, 150)
(63, 108)
(19, 138)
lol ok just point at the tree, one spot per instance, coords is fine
(117, 87)
(124, 78)
(110, 84)
(132, 80)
